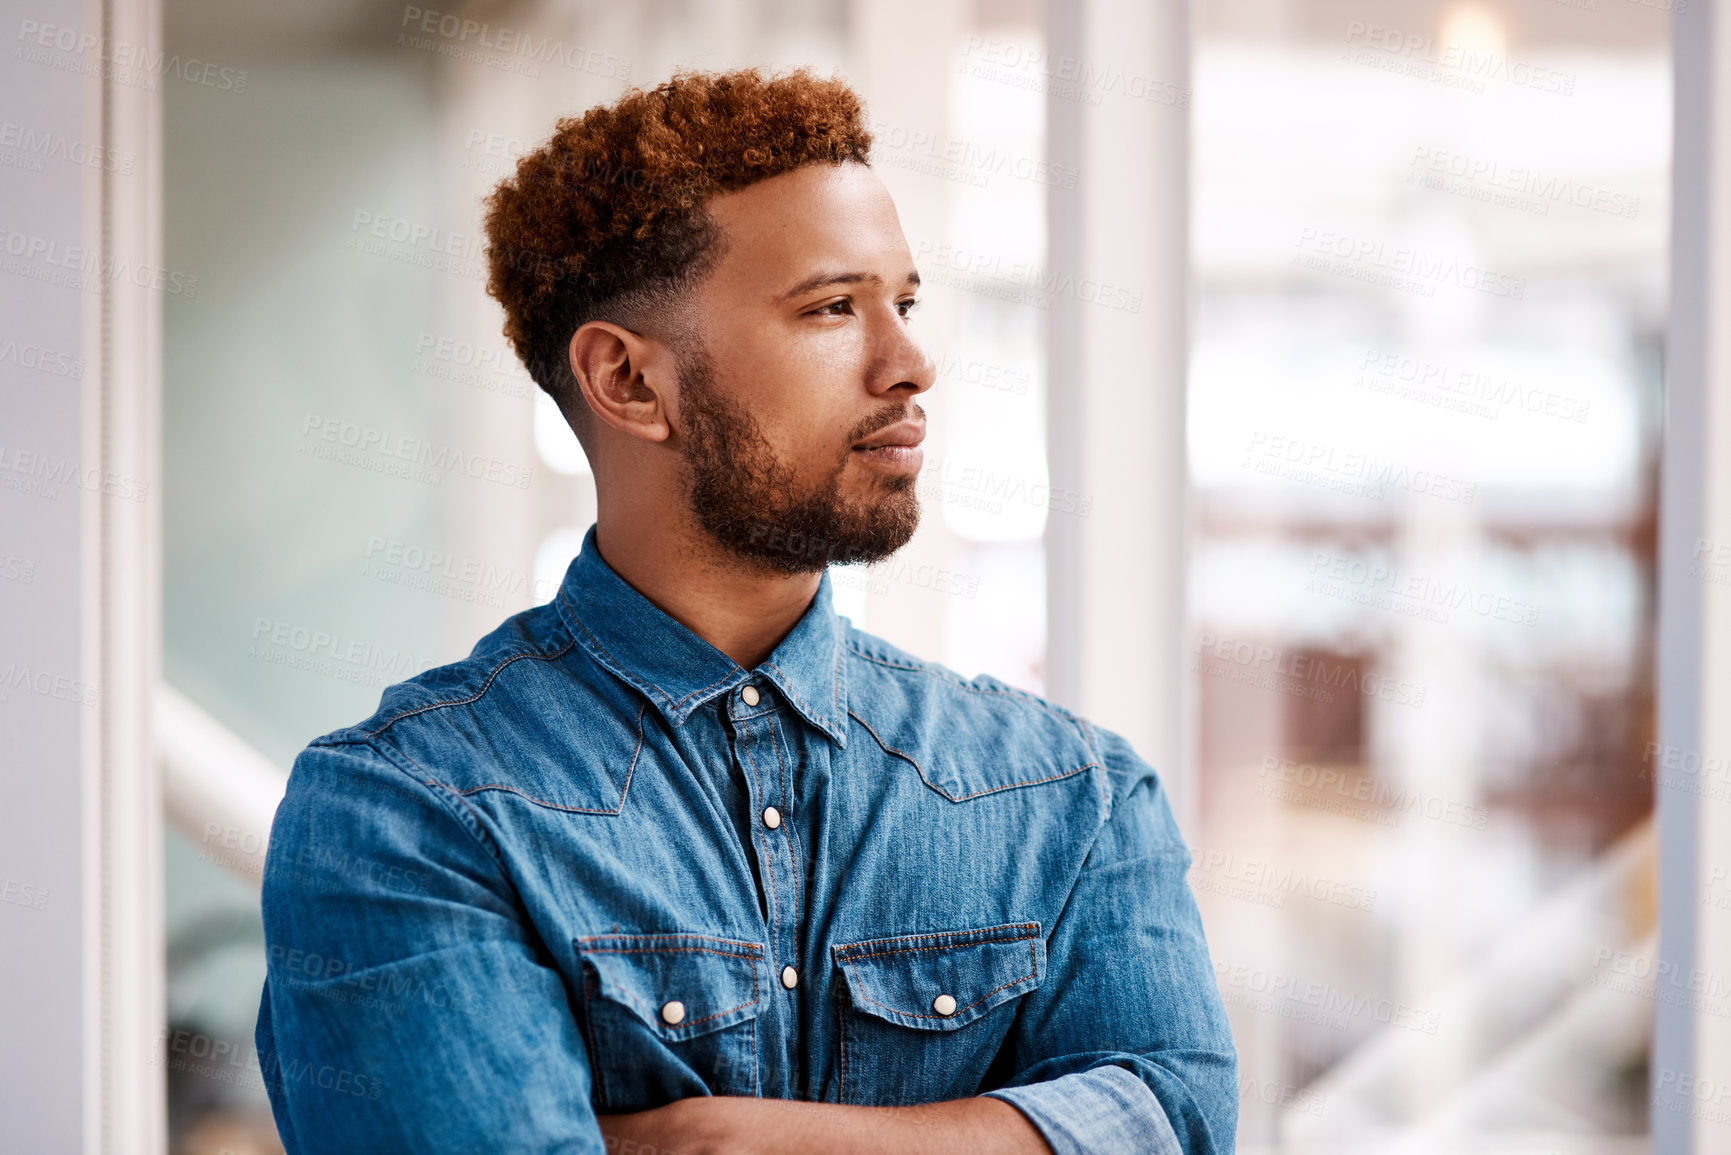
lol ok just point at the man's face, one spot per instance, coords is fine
(796, 414)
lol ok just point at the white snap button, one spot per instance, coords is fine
(673, 1013)
(944, 1005)
(771, 817)
(749, 695)
(789, 977)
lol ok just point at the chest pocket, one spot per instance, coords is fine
(917, 1021)
(669, 1016)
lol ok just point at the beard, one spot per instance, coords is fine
(748, 500)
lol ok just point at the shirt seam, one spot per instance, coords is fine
(911, 760)
(1034, 927)
(624, 788)
(478, 694)
(960, 683)
(619, 668)
(911, 1015)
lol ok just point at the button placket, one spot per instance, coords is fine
(766, 777)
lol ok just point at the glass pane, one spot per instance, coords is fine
(1429, 242)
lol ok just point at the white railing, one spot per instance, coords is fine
(216, 789)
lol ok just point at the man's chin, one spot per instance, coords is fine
(861, 536)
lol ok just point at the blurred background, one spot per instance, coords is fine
(1426, 267)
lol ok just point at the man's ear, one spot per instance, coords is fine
(623, 376)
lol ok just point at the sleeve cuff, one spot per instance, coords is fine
(1095, 1112)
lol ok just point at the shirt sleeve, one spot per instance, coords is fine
(1125, 1045)
(407, 1005)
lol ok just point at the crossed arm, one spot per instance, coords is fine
(421, 1018)
(713, 1125)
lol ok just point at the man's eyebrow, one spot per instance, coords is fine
(825, 280)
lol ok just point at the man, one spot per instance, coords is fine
(681, 861)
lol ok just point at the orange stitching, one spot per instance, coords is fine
(847, 958)
(753, 952)
(807, 707)
(958, 1010)
(678, 934)
(553, 657)
(750, 954)
(629, 770)
(631, 675)
(976, 794)
(947, 933)
(961, 684)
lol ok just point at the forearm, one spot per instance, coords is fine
(730, 1124)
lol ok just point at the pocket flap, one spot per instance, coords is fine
(902, 979)
(714, 980)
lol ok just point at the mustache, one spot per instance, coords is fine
(891, 414)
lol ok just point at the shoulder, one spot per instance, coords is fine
(515, 652)
(978, 735)
(526, 713)
(969, 736)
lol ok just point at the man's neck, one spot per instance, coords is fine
(739, 609)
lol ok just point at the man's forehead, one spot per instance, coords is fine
(818, 221)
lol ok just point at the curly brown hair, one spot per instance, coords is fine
(607, 218)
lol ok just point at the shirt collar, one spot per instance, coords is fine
(679, 671)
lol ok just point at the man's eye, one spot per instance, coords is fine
(839, 308)
(908, 306)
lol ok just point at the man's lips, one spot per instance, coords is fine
(896, 449)
(906, 435)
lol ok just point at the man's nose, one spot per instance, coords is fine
(902, 363)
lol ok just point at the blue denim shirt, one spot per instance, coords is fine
(597, 866)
